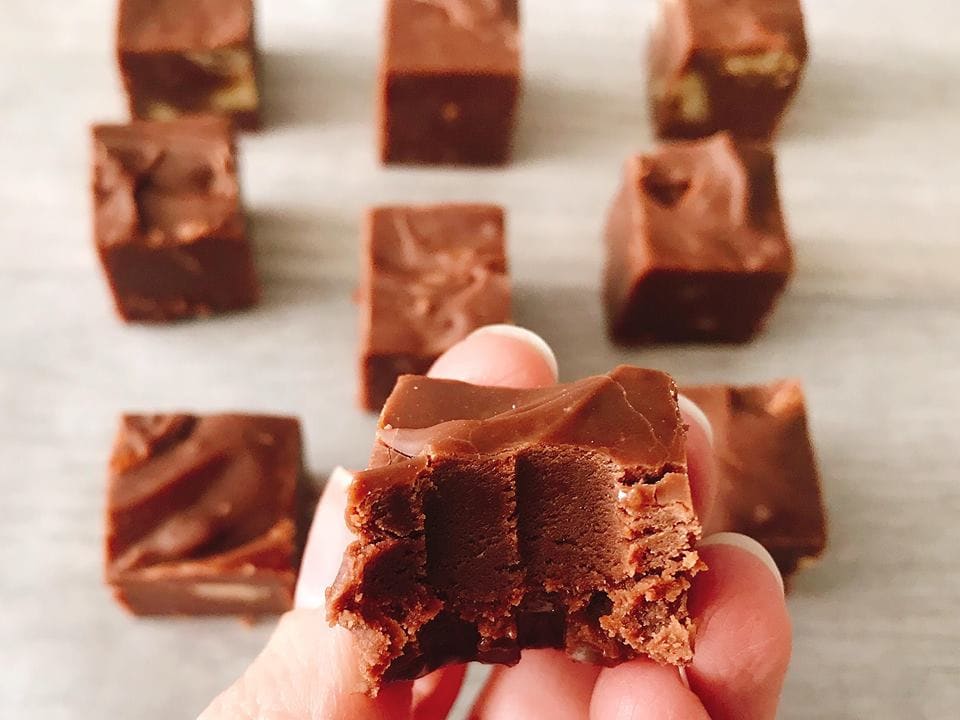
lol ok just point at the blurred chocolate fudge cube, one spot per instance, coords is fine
(168, 223)
(188, 57)
(202, 514)
(696, 244)
(724, 65)
(430, 275)
(449, 81)
(768, 482)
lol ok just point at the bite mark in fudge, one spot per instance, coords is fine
(495, 519)
(202, 514)
(725, 65)
(449, 81)
(696, 244)
(168, 222)
(769, 485)
(430, 275)
(189, 57)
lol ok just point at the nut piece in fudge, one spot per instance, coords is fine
(696, 244)
(496, 519)
(769, 486)
(189, 57)
(430, 275)
(449, 81)
(724, 65)
(168, 223)
(202, 514)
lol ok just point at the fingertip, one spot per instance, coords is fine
(341, 479)
(693, 415)
(700, 458)
(744, 636)
(747, 544)
(563, 688)
(644, 690)
(501, 355)
(435, 694)
(527, 337)
(326, 541)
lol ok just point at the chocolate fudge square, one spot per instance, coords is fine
(769, 485)
(496, 519)
(449, 81)
(189, 57)
(202, 514)
(168, 223)
(724, 65)
(696, 244)
(430, 275)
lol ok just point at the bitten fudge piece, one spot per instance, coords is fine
(187, 57)
(696, 244)
(430, 275)
(449, 81)
(769, 487)
(201, 514)
(725, 65)
(168, 224)
(495, 519)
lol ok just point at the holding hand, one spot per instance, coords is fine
(311, 670)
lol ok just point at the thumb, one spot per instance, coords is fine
(309, 669)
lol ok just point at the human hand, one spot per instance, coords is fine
(311, 671)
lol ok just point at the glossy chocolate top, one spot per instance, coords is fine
(434, 273)
(452, 36)
(183, 25)
(629, 415)
(165, 183)
(216, 490)
(709, 204)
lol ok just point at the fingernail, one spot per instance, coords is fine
(528, 337)
(692, 411)
(326, 540)
(342, 477)
(750, 545)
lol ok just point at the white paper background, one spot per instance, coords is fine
(869, 163)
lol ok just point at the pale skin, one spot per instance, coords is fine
(309, 671)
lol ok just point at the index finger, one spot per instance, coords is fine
(499, 355)
(703, 481)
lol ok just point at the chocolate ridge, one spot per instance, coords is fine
(417, 419)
